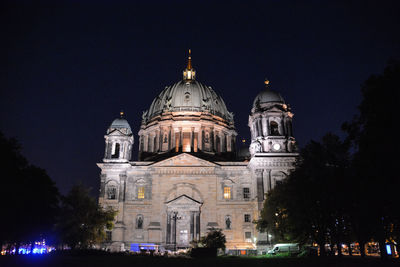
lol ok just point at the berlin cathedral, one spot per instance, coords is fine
(190, 177)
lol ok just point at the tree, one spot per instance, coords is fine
(308, 206)
(214, 239)
(82, 221)
(30, 195)
(373, 135)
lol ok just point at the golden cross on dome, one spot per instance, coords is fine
(189, 73)
(189, 65)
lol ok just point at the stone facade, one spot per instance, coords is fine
(188, 180)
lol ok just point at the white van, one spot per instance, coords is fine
(283, 248)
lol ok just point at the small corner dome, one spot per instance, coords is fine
(120, 124)
(268, 96)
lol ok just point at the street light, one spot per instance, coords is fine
(175, 217)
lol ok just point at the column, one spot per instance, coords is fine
(173, 142)
(225, 143)
(192, 225)
(196, 142)
(267, 181)
(122, 180)
(173, 227)
(212, 139)
(260, 132)
(200, 138)
(253, 131)
(198, 225)
(281, 129)
(157, 148)
(192, 140)
(260, 187)
(264, 126)
(160, 140)
(169, 138)
(180, 137)
(102, 185)
(168, 239)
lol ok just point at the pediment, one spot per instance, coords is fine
(184, 160)
(116, 132)
(275, 109)
(183, 201)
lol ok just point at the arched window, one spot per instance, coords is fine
(139, 221)
(111, 192)
(274, 128)
(115, 154)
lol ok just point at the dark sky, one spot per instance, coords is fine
(68, 68)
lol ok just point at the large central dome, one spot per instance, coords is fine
(187, 117)
(188, 96)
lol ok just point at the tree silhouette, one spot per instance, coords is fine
(308, 205)
(373, 134)
(82, 221)
(30, 197)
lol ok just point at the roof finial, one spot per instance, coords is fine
(189, 73)
(189, 65)
(121, 113)
(266, 82)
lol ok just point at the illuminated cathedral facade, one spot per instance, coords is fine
(189, 177)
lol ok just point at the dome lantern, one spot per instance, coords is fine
(189, 73)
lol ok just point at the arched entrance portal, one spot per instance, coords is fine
(183, 222)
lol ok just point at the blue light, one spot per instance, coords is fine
(388, 250)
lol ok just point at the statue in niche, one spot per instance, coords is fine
(228, 222)
(165, 138)
(140, 222)
(111, 192)
(207, 138)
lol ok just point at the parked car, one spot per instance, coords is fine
(283, 248)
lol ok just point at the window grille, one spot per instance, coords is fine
(227, 193)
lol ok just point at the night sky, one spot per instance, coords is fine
(68, 68)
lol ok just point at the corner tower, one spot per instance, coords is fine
(270, 123)
(118, 141)
(273, 148)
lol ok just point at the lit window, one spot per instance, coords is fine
(186, 142)
(141, 192)
(246, 193)
(227, 192)
(247, 218)
(115, 154)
